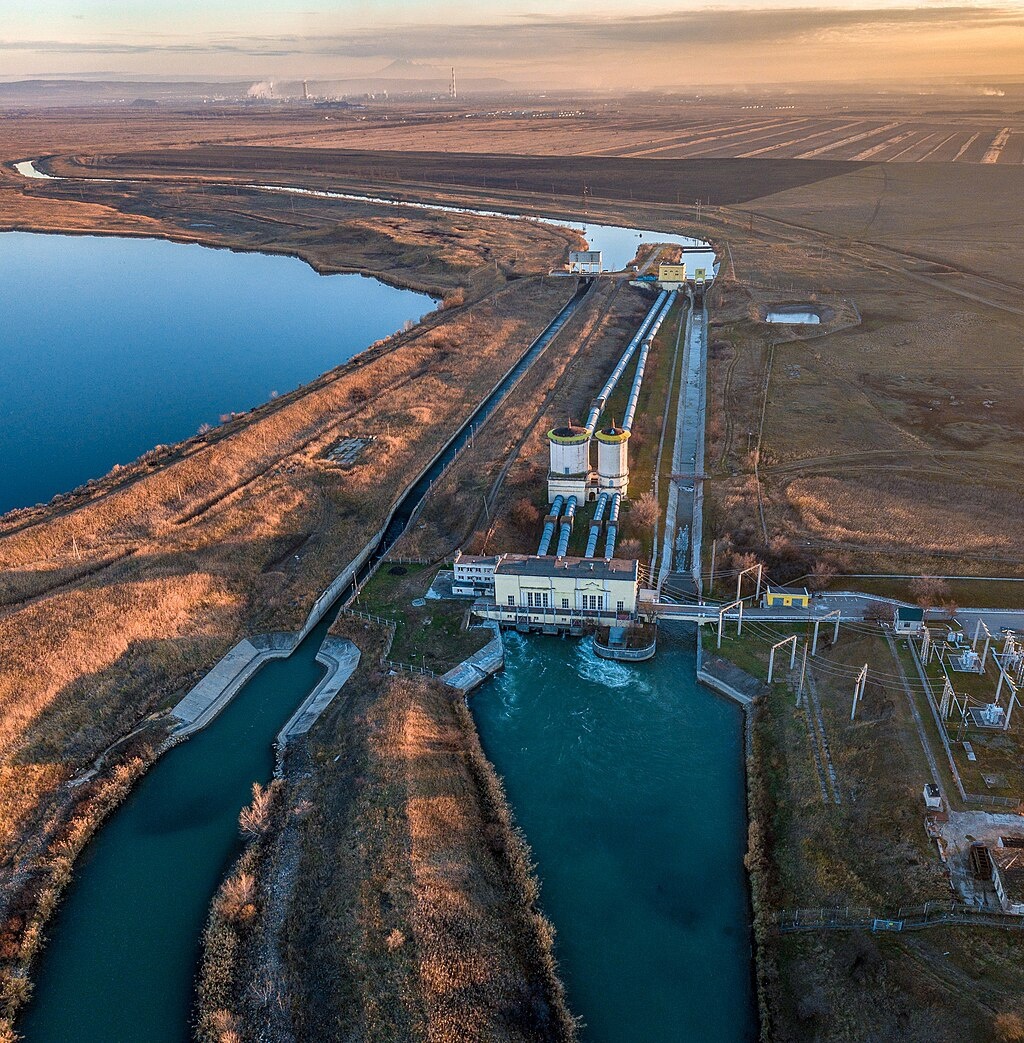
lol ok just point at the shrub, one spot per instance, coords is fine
(238, 899)
(629, 549)
(254, 820)
(524, 514)
(1008, 1028)
(644, 513)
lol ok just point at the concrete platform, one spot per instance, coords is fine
(480, 666)
(225, 680)
(341, 657)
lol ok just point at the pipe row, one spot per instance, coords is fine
(595, 525)
(638, 378)
(612, 529)
(549, 526)
(566, 530)
(598, 407)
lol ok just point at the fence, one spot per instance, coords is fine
(906, 918)
(408, 668)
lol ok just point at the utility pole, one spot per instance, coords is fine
(803, 674)
(771, 658)
(711, 578)
(858, 689)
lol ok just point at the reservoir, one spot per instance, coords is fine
(110, 346)
(627, 781)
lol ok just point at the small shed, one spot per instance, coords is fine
(787, 597)
(932, 797)
(908, 621)
(585, 262)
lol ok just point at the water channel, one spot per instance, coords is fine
(628, 783)
(627, 780)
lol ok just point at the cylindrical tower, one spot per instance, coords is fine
(613, 459)
(570, 450)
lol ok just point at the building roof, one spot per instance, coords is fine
(585, 255)
(789, 591)
(908, 614)
(586, 568)
(1010, 863)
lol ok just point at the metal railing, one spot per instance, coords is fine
(905, 918)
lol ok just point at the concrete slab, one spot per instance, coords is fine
(480, 666)
(225, 680)
(341, 657)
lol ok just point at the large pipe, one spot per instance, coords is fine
(549, 526)
(638, 378)
(612, 530)
(599, 403)
(595, 525)
(566, 530)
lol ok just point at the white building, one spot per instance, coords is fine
(1008, 877)
(561, 593)
(585, 262)
(474, 575)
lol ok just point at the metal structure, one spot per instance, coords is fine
(835, 634)
(452, 90)
(612, 528)
(595, 525)
(721, 617)
(565, 531)
(771, 656)
(759, 569)
(858, 689)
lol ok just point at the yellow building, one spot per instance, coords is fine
(787, 597)
(561, 592)
(671, 276)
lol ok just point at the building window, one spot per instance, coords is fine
(620, 606)
(565, 602)
(512, 600)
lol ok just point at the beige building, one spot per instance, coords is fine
(473, 574)
(561, 593)
(671, 276)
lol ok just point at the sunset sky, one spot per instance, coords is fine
(646, 43)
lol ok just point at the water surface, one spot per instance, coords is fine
(111, 346)
(628, 783)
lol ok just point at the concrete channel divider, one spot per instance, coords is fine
(341, 657)
(480, 666)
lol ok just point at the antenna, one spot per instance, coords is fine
(452, 91)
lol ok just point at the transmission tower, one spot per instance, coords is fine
(452, 91)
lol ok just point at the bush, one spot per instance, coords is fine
(1008, 1028)
(629, 549)
(524, 514)
(644, 513)
(238, 899)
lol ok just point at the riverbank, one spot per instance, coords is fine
(150, 576)
(398, 900)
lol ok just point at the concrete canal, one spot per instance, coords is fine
(628, 783)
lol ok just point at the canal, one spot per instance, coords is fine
(628, 783)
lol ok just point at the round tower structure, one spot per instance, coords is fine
(613, 459)
(570, 450)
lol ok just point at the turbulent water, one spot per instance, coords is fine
(628, 783)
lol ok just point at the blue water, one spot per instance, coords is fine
(110, 346)
(628, 783)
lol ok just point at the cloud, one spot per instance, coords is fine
(539, 38)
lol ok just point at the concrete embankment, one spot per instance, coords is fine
(480, 666)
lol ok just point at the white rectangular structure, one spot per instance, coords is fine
(585, 262)
(474, 574)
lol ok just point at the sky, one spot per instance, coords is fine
(646, 43)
